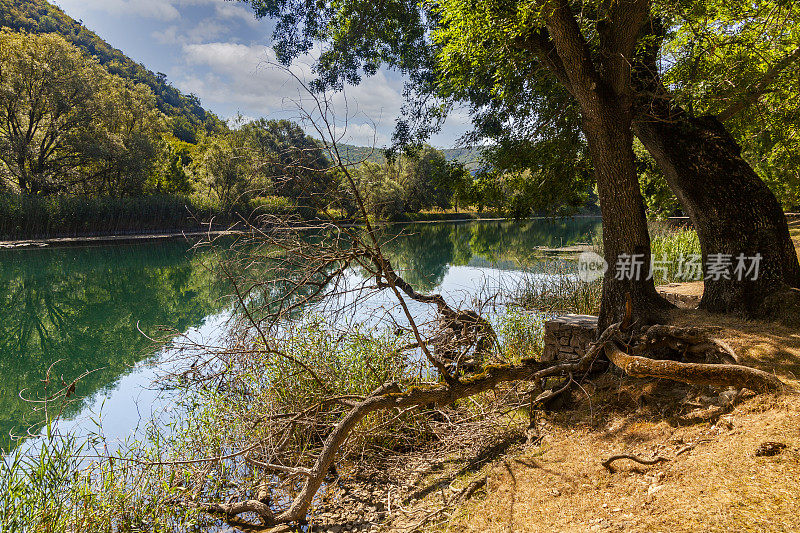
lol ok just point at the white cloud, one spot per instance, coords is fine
(248, 76)
(363, 134)
(235, 11)
(168, 35)
(206, 30)
(157, 9)
(164, 10)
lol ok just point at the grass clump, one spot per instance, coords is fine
(521, 335)
(59, 483)
(555, 288)
(671, 248)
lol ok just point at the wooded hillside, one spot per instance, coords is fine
(40, 16)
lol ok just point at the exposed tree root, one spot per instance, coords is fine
(690, 342)
(726, 375)
(391, 396)
(634, 458)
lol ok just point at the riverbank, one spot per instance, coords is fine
(717, 474)
(199, 233)
(499, 475)
(464, 465)
(94, 240)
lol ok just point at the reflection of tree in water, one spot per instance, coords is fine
(275, 281)
(82, 306)
(424, 251)
(496, 241)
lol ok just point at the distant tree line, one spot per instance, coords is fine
(70, 129)
(41, 17)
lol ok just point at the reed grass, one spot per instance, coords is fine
(64, 484)
(34, 217)
(670, 247)
(554, 288)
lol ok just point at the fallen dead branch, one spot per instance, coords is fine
(634, 458)
(391, 396)
(725, 375)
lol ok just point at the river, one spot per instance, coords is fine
(72, 310)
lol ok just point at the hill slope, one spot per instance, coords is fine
(468, 156)
(39, 16)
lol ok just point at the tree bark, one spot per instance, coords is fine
(626, 241)
(732, 209)
(605, 97)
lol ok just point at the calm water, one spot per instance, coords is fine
(82, 309)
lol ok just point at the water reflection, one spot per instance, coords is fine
(426, 251)
(81, 305)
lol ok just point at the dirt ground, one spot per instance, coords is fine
(714, 477)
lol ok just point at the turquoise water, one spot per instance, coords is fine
(78, 309)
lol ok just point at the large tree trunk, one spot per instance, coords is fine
(732, 209)
(626, 241)
(604, 94)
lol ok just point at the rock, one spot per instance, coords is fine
(769, 448)
(567, 336)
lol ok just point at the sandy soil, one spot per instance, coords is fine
(714, 479)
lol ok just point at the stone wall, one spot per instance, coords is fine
(568, 336)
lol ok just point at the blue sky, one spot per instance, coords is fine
(219, 51)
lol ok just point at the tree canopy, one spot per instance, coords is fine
(67, 125)
(39, 16)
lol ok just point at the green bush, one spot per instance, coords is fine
(670, 247)
(272, 205)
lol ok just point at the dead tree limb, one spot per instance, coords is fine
(634, 458)
(390, 396)
(694, 373)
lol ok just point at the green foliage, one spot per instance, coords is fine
(50, 488)
(719, 53)
(39, 16)
(483, 55)
(429, 180)
(292, 163)
(172, 174)
(659, 199)
(227, 169)
(671, 246)
(521, 334)
(410, 182)
(68, 125)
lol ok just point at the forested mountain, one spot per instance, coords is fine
(469, 157)
(39, 16)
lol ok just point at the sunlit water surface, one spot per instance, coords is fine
(97, 309)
